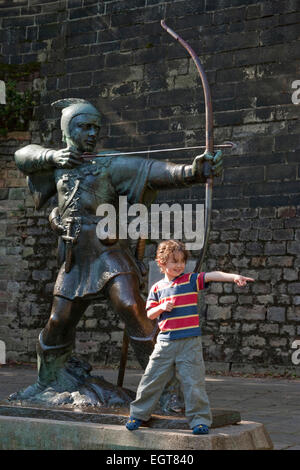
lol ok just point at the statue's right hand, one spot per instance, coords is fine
(65, 158)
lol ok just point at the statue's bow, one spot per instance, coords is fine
(209, 148)
(209, 141)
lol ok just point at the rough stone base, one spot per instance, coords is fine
(112, 415)
(46, 434)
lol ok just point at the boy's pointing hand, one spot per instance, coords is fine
(242, 280)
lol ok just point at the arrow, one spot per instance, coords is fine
(90, 156)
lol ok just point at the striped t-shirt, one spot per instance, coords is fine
(183, 320)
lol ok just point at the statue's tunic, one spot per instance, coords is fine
(80, 191)
(94, 262)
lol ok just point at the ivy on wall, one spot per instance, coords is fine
(17, 113)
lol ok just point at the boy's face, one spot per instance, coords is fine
(174, 266)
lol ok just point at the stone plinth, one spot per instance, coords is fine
(28, 428)
(47, 434)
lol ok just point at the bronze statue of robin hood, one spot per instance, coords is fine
(89, 266)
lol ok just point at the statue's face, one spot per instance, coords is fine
(84, 130)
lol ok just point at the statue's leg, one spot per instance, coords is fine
(64, 317)
(55, 345)
(124, 294)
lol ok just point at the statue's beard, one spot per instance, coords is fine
(89, 146)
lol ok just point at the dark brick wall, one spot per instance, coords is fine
(116, 54)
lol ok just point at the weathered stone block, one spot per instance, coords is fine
(249, 327)
(227, 299)
(256, 312)
(294, 288)
(218, 313)
(276, 314)
(293, 313)
(278, 342)
(268, 329)
(41, 275)
(254, 341)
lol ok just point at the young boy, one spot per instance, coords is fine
(173, 300)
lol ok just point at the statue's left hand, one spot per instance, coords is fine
(213, 168)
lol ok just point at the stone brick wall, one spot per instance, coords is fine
(116, 54)
(256, 324)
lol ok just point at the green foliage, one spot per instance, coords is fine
(18, 111)
(16, 114)
(19, 72)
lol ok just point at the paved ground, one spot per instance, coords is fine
(275, 402)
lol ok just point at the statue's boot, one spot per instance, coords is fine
(172, 400)
(51, 373)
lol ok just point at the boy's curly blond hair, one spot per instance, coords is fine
(168, 248)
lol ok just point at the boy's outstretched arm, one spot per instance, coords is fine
(219, 276)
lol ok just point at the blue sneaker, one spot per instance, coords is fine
(133, 423)
(201, 429)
